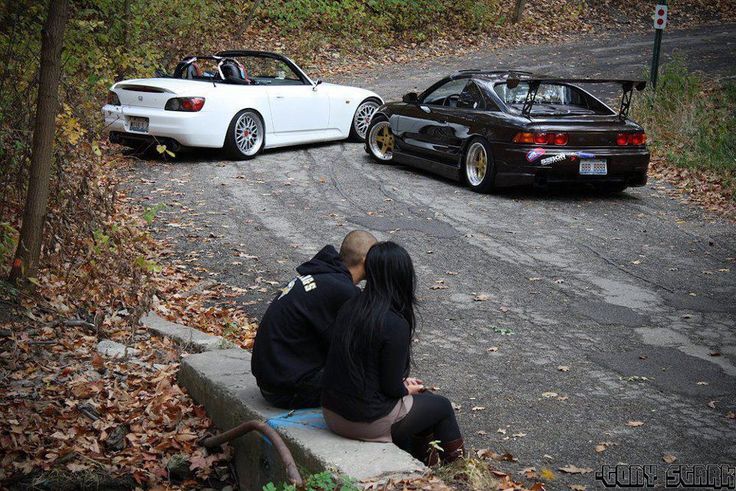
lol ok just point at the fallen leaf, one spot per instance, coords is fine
(547, 474)
(549, 395)
(577, 487)
(600, 448)
(563, 368)
(492, 349)
(702, 383)
(634, 423)
(712, 404)
(478, 408)
(668, 458)
(481, 297)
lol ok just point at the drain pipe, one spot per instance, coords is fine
(266, 431)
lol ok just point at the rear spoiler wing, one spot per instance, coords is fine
(627, 87)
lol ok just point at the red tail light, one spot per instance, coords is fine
(638, 139)
(631, 138)
(113, 99)
(188, 104)
(541, 138)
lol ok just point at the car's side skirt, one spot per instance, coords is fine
(285, 139)
(445, 170)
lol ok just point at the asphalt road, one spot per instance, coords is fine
(633, 295)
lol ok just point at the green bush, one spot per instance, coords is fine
(323, 481)
(691, 120)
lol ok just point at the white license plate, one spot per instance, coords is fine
(593, 167)
(138, 124)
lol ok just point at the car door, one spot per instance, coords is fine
(427, 128)
(298, 108)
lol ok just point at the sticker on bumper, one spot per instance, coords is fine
(533, 155)
(553, 159)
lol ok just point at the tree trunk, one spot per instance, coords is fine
(28, 252)
(248, 19)
(518, 10)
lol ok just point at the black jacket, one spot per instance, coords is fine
(294, 335)
(372, 392)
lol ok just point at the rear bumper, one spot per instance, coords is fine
(625, 165)
(200, 129)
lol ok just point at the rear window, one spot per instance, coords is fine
(547, 94)
(551, 99)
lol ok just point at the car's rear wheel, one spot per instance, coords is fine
(245, 135)
(380, 140)
(362, 119)
(478, 169)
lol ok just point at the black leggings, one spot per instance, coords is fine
(430, 414)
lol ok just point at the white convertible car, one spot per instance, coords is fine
(242, 101)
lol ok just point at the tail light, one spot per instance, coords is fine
(631, 138)
(113, 99)
(638, 139)
(187, 104)
(542, 138)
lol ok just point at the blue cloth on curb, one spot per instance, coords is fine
(301, 417)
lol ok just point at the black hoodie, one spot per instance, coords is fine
(293, 337)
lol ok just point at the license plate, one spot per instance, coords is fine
(138, 124)
(593, 167)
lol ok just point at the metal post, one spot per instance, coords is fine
(654, 71)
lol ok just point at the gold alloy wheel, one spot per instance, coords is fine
(381, 141)
(476, 164)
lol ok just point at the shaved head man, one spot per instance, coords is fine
(294, 335)
(353, 250)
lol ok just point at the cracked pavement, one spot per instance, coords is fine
(634, 293)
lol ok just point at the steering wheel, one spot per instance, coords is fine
(450, 98)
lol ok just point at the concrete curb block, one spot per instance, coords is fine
(185, 336)
(222, 381)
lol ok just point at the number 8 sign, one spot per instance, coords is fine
(660, 16)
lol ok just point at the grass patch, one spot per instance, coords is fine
(691, 121)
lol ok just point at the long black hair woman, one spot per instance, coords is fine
(367, 394)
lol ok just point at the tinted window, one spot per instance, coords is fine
(471, 97)
(551, 99)
(438, 95)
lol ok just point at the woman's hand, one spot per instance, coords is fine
(414, 385)
(413, 381)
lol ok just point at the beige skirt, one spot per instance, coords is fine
(374, 431)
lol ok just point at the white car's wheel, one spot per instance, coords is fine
(380, 140)
(245, 135)
(362, 119)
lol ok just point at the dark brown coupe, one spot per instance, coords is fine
(507, 128)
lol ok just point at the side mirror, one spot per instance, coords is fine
(316, 84)
(410, 98)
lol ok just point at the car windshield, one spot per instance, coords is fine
(551, 99)
(269, 71)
